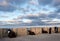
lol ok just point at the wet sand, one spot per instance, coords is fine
(42, 37)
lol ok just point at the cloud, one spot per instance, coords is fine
(10, 22)
(56, 2)
(45, 2)
(53, 21)
(4, 6)
(11, 5)
(18, 2)
(34, 2)
(3, 3)
(31, 12)
(4, 16)
(34, 15)
(58, 10)
(38, 18)
(31, 19)
(27, 21)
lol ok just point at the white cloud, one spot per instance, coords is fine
(34, 2)
(37, 14)
(45, 20)
(44, 12)
(10, 22)
(58, 20)
(27, 21)
(55, 20)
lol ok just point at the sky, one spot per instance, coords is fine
(29, 12)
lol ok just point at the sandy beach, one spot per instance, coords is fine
(42, 37)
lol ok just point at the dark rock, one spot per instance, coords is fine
(11, 34)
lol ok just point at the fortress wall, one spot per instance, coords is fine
(0, 33)
(21, 31)
(3, 32)
(36, 30)
(53, 31)
(59, 29)
(24, 31)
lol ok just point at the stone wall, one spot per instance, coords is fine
(59, 29)
(24, 31)
(20, 31)
(36, 30)
(3, 33)
(53, 31)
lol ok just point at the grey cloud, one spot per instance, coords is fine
(18, 2)
(56, 2)
(35, 20)
(7, 8)
(58, 10)
(11, 5)
(4, 16)
(53, 15)
(45, 2)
